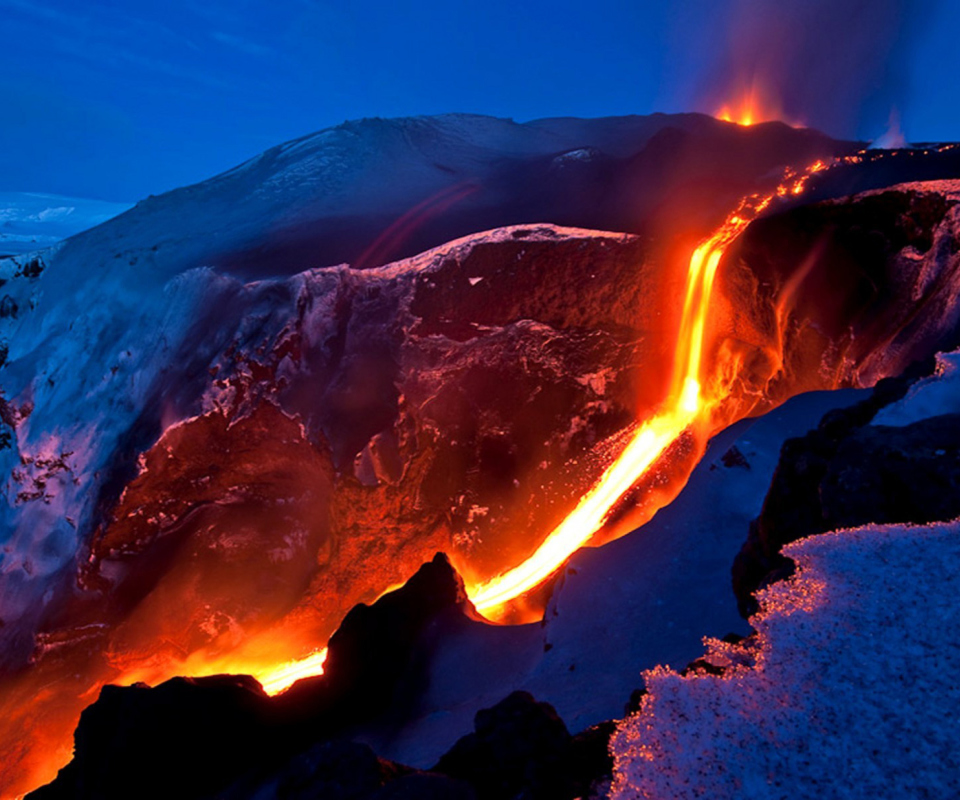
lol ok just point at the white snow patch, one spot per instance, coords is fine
(853, 694)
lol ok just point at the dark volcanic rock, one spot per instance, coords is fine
(186, 738)
(425, 786)
(520, 748)
(332, 771)
(848, 473)
(193, 737)
(882, 474)
(372, 665)
(252, 460)
(830, 282)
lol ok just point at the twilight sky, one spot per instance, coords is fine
(117, 100)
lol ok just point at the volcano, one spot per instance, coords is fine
(223, 447)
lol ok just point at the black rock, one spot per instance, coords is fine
(590, 759)
(373, 662)
(848, 473)
(520, 748)
(424, 786)
(334, 771)
(194, 737)
(186, 738)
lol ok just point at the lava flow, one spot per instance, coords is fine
(688, 406)
(691, 412)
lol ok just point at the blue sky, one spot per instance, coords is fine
(116, 100)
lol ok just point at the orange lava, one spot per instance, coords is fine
(687, 406)
(691, 403)
(753, 105)
(276, 679)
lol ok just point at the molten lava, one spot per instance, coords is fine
(753, 105)
(688, 406)
(277, 679)
(689, 410)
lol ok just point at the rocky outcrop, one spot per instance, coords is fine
(192, 737)
(847, 473)
(185, 737)
(859, 287)
(223, 737)
(521, 748)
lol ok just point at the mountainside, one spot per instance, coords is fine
(215, 442)
(372, 191)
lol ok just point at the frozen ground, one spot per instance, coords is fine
(853, 695)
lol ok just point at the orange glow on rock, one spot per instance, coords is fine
(688, 406)
(691, 406)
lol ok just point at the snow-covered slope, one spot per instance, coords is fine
(375, 190)
(33, 221)
(643, 600)
(171, 428)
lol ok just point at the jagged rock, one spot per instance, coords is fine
(590, 759)
(520, 748)
(461, 400)
(373, 665)
(848, 473)
(425, 786)
(734, 458)
(191, 737)
(185, 738)
(333, 771)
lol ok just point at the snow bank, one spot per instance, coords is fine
(851, 688)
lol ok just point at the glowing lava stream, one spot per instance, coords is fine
(683, 407)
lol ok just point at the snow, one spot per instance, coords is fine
(108, 353)
(643, 600)
(853, 693)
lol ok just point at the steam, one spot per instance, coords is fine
(837, 65)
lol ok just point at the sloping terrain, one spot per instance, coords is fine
(205, 473)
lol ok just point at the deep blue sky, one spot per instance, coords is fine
(116, 100)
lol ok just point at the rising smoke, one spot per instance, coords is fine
(838, 65)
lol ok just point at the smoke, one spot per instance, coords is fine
(838, 65)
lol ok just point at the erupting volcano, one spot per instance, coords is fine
(419, 422)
